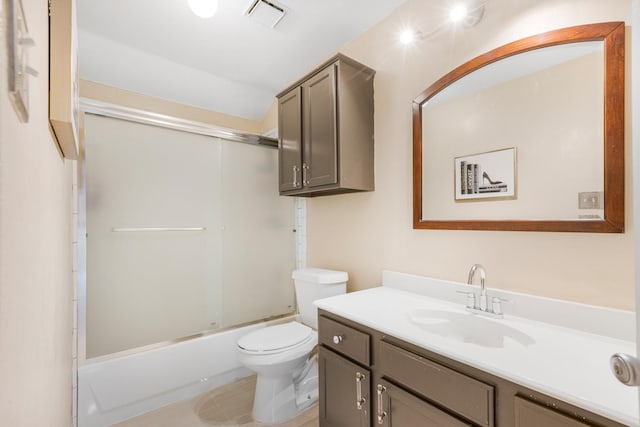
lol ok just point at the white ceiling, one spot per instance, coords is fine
(229, 63)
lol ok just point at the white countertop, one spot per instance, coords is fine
(569, 364)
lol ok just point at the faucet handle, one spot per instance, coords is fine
(471, 298)
(496, 304)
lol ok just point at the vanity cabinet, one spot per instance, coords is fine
(406, 385)
(345, 375)
(325, 122)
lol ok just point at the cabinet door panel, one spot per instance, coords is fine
(290, 141)
(402, 409)
(338, 392)
(320, 129)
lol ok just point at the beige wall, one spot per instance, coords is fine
(368, 232)
(112, 95)
(35, 253)
(270, 120)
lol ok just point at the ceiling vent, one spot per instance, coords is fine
(266, 12)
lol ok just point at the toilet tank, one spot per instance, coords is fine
(315, 283)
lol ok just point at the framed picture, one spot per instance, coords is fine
(63, 76)
(18, 68)
(490, 175)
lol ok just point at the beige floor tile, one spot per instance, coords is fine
(228, 406)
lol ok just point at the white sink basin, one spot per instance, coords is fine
(468, 328)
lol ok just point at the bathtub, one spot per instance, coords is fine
(114, 390)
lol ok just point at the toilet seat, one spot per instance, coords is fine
(276, 339)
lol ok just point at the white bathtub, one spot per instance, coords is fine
(115, 390)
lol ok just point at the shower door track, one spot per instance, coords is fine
(155, 119)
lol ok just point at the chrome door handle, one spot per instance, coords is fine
(337, 339)
(626, 369)
(295, 176)
(359, 399)
(381, 414)
(305, 172)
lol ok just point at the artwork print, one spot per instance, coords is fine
(490, 175)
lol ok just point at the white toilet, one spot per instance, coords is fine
(282, 356)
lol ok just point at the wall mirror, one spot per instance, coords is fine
(528, 137)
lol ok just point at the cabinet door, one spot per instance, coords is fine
(290, 140)
(320, 129)
(344, 392)
(397, 408)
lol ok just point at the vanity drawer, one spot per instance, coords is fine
(529, 414)
(344, 339)
(459, 393)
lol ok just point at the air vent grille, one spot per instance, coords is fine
(266, 12)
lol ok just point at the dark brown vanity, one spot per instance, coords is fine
(368, 378)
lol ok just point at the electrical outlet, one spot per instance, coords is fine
(591, 200)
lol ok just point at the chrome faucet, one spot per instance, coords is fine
(483, 308)
(483, 292)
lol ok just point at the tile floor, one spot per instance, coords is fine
(229, 406)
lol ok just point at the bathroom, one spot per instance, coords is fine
(359, 233)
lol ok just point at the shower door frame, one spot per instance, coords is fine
(98, 108)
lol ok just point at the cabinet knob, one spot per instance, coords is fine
(337, 339)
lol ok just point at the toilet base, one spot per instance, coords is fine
(279, 398)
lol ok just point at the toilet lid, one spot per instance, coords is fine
(277, 337)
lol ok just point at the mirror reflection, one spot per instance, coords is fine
(546, 107)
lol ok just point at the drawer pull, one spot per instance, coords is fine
(337, 339)
(359, 399)
(381, 414)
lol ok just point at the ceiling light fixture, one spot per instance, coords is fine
(458, 12)
(408, 36)
(469, 13)
(203, 8)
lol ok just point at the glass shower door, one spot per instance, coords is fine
(185, 233)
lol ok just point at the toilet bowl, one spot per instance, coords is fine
(283, 355)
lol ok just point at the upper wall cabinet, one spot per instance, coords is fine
(325, 124)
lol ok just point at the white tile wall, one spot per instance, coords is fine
(74, 284)
(300, 205)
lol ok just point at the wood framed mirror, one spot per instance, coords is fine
(526, 137)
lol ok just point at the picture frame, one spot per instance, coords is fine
(64, 100)
(18, 68)
(486, 176)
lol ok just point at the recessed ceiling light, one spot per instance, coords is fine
(458, 12)
(203, 8)
(469, 13)
(408, 36)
